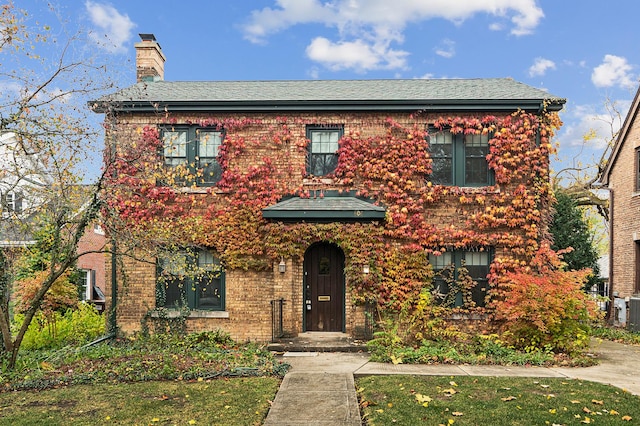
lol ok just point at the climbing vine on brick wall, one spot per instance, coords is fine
(393, 168)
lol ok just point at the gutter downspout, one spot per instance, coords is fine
(113, 326)
(610, 311)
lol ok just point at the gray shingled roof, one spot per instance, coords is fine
(499, 93)
(325, 208)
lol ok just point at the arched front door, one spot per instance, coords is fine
(324, 288)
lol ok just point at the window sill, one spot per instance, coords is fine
(315, 181)
(172, 313)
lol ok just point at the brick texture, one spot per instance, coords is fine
(625, 208)
(249, 293)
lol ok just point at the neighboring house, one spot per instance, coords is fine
(21, 177)
(622, 177)
(299, 203)
(92, 265)
(22, 183)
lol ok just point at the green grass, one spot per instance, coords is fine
(616, 334)
(431, 400)
(236, 401)
(204, 355)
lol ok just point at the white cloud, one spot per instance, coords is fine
(540, 67)
(373, 25)
(447, 49)
(113, 28)
(614, 71)
(357, 55)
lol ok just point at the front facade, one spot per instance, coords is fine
(622, 177)
(274, 208)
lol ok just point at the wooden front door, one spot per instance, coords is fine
(324, 288)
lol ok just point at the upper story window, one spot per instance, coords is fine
(191, 277)
(322, 157)
(459, 159)
(446, 269)
(195, 150)
(11, 202)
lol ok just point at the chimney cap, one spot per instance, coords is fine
(147, 37)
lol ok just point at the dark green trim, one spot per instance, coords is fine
(487, 105)
(332, 207)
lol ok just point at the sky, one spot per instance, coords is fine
(583, 50)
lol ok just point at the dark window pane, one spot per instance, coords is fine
(325, 266)
(209, 292)
(207, 162)
(323, 159)
(476, 171)
(209, 282)
(174, 290)
(441, 151)
(477, 263)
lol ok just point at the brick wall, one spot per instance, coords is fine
(249, 293)
(93, 241)
(625, 210)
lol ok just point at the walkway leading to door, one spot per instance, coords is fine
(319, 389)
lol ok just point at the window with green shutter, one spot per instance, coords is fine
(459, 159)
(193, 152)
(446, 267)
(190, 277)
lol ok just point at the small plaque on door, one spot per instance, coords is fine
(324, 298)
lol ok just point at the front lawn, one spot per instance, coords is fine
(435, 400)
(237, 401)
(195, 356)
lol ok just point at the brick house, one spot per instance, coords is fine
(622, 177)
(300, 203)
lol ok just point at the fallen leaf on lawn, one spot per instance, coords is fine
(155, 419)
(626, 418)
(390, 404)
(575, 401)
(586, 420)
(379, 410)
(227, 407)
(192, 422)
(544, 386)
(586, 410)
(457, 413)
(454, 384)
(595, 401)
(553, 411)
(449, 391)
(508, 398)
(613, 412)
(423, 398)
(550, 396)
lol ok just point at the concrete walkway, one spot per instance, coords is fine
(319, 388)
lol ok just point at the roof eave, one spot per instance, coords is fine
(536, 105)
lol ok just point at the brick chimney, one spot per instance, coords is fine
(149, 59)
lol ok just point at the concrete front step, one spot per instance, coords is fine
(318, 342)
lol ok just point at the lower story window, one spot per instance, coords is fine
(449, 287)
(192, 278)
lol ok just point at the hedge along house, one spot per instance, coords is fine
(268, 208)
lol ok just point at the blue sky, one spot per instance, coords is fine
(583, 50)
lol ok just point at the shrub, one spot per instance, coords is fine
(548, 311)
(74, 327)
